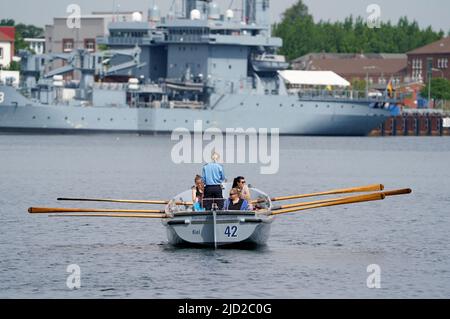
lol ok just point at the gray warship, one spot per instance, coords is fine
(171, 72)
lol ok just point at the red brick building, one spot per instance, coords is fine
(378, 68)
(435, 56)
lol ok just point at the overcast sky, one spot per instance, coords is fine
(430, 12)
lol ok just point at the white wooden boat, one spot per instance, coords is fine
(218, 228)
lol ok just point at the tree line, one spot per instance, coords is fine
(302, 35)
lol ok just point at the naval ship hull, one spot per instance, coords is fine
(289, 114)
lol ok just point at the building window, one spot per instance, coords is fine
(68, 45)
(89, 44)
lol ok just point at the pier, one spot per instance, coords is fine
(416, 123)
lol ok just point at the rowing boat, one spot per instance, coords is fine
(218, 228)
(221, 228)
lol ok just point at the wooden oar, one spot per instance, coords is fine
(112, 215)
(52, 210)
(388, 193)
(351, 200)
(368, 188)
(125, 201)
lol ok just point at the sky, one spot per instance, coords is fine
(431, 12)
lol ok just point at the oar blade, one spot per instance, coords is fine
(143, 216)
(123, 201)
(359, 189)
(59, 210)
(343, 201)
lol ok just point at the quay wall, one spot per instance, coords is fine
(415, 124)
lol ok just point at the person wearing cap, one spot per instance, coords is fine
(213, 176)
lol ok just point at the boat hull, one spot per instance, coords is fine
(222, 230)
(288, 114)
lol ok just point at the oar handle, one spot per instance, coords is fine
(403, 191)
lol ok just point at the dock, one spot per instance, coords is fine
(416, 123)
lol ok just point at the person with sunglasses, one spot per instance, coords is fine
(240, 183)
(235, 202)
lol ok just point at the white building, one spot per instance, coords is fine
(36, 44)
(10, 77)
(7, 35)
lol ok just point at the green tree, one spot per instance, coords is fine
(7, 22)
(14, 66)
(440, 89)
(302, 35)
(29, 31)
(358, 85)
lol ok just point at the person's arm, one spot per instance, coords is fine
(246, 192)
(222, 174)
(194, 195)
(204, 175)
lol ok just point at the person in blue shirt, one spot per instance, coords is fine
(213, 177)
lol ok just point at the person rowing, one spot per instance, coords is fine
(236, 202)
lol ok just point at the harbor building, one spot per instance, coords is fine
(59, 38)
(432, 58)
(375, 68)
(37, 45)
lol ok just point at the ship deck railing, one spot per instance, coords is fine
(339, 95)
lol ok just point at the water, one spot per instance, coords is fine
(319, 254)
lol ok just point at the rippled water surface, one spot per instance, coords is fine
(317, 254)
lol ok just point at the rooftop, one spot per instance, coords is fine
(375, 63)
(441, 46)
(7, 34)
(350, 56)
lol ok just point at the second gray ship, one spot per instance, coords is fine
(171, 72)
